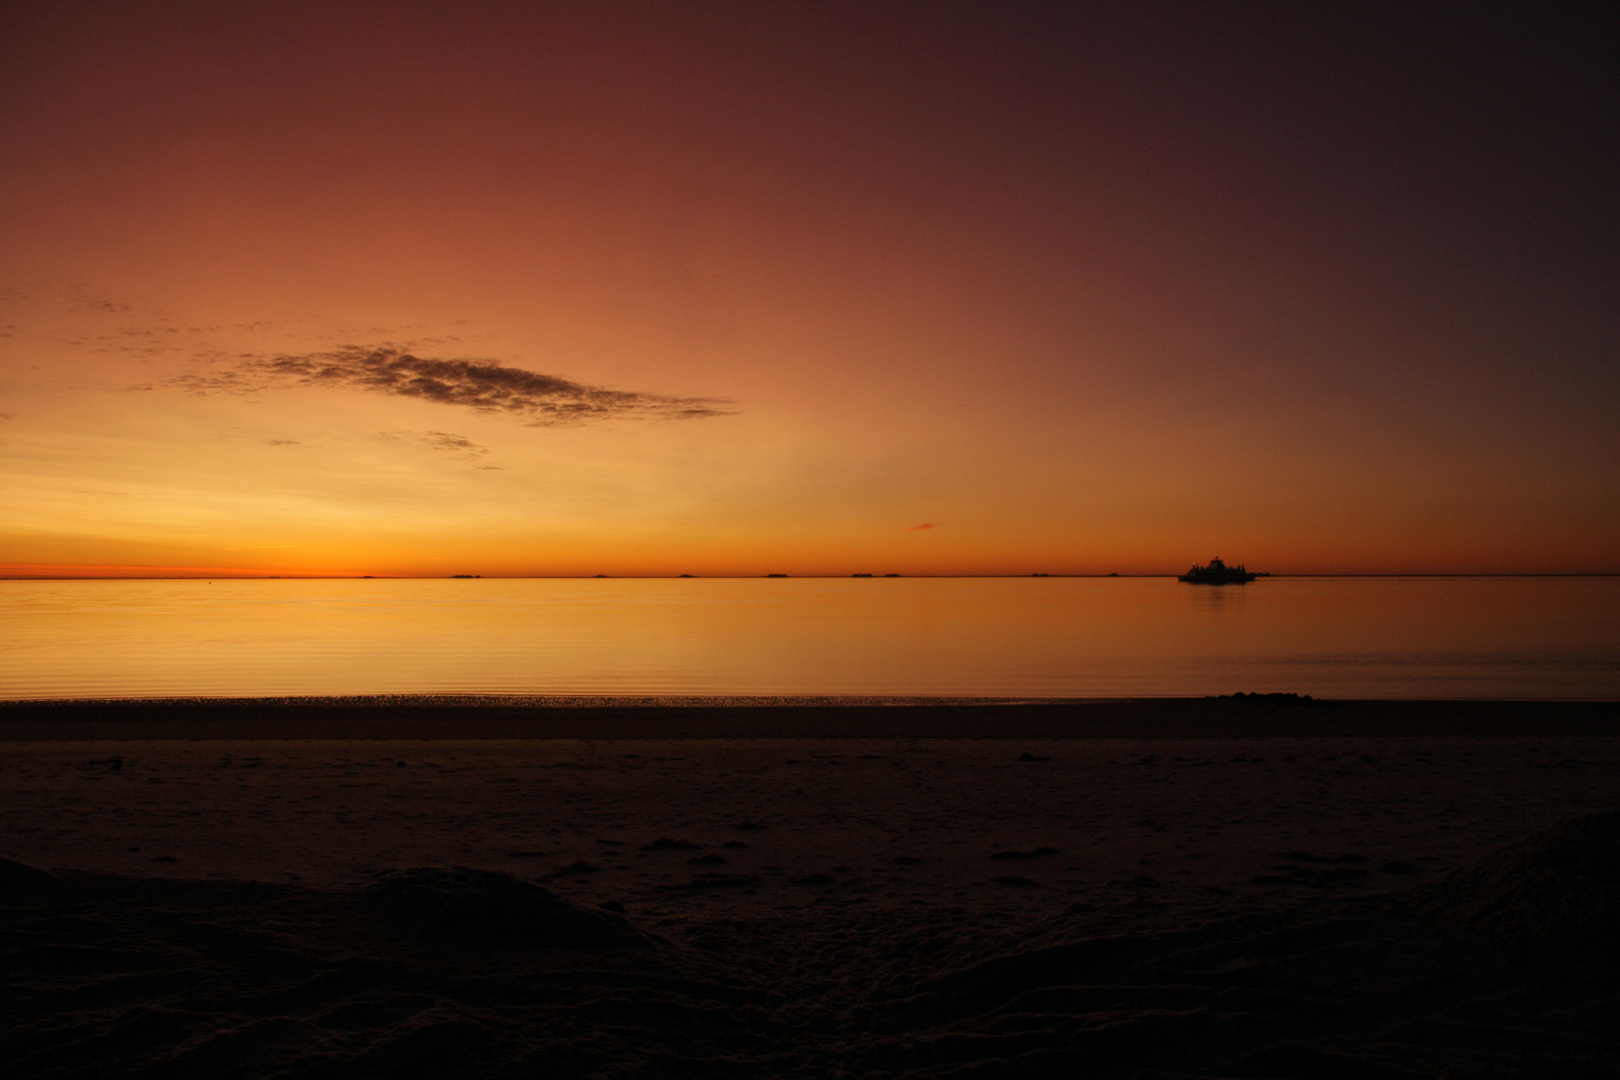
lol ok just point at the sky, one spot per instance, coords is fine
(743, 288)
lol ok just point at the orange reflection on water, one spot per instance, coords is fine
(1034, 637)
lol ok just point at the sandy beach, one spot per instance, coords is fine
(1250, 904)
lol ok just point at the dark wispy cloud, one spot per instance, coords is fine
(920, 528)
(442, 441)
(84, 296)
(482, 385)
(445, 440)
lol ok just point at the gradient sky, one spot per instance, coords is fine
(808, 288)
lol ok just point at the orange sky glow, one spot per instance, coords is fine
(714, 288)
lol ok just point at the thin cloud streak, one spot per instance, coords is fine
(446, 441)
(482, 385)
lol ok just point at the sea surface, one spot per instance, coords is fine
(1389, 637)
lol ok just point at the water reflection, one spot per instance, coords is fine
(1216, 599)
(1041, 637)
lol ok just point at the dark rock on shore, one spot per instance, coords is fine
(21, 883)
(460, 904)
(1550, 900)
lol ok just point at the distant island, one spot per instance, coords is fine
(1217, 573)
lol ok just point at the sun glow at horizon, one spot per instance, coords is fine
(566, 292)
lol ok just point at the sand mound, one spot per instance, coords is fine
(1552, 897)
(21, 883)
(445, 971)
(456, 903)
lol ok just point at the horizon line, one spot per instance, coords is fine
(228, 575)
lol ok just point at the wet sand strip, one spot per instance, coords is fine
(404, 717)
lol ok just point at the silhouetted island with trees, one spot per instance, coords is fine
(1217, 573)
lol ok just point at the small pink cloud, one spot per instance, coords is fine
(920, 528)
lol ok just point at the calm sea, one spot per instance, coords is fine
(1542, 638)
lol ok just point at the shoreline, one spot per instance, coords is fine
(441, 717)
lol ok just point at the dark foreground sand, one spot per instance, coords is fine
(1264, 904)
